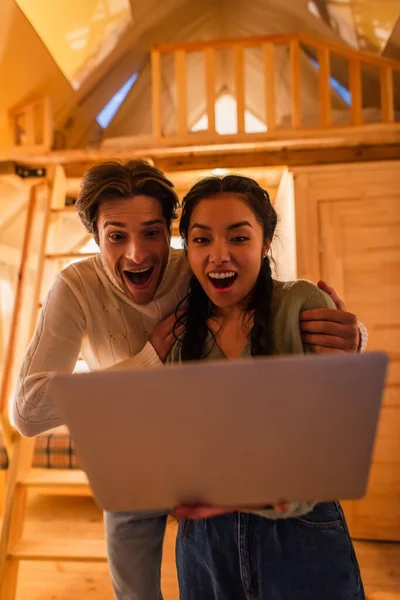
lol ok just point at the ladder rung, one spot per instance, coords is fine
(60, 255)
(62, 550)
(65, 209)
(56, 478)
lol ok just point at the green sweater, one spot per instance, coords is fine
(289, 299)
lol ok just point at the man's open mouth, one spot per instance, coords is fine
(139, 277)
(224, 280)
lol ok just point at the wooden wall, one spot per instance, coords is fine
(348, 233)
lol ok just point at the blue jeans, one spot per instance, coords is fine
(246, 557)
(134, 549)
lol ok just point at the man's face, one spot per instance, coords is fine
(134, 243)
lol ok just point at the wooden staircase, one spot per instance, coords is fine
(45, 210)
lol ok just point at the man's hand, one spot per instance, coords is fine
(163, 337)
(329, 330)
(206, 511)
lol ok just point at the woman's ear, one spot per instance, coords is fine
(267, 246)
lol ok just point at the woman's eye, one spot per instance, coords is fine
(152, 233)
(200, 240)
(240, 238)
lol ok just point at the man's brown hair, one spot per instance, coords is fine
(114, 179)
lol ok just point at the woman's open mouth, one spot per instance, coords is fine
(222, 281)
(140, 277)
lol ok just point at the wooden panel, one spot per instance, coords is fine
(355, 90)
(269, 82)
(325, 115)
(360, 256)
(210, 88)
(387, 104)
(295, 83)
(239, 86)
(181, 92)
(156, 93)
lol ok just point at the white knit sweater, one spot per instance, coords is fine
(86, 312)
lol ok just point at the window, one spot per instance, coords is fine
(107, 114)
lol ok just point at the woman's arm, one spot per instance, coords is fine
(54, 348)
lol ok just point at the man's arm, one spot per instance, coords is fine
(54, 348)
(329, 330)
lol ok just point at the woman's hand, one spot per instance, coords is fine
(206, 511)
(330, 330)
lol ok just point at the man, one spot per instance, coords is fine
(117, 310)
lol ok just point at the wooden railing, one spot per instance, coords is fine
(31, 125)
(320, 50)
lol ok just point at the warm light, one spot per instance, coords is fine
(226, 118)
(176, 242)
(6, 297)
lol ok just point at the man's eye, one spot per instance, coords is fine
(116, 237)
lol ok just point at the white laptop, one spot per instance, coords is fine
(226, 432)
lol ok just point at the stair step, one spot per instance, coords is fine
(67, 255)
(58, 481)
(60, 550)
(65, 209)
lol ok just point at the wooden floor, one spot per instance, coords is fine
(64, 517)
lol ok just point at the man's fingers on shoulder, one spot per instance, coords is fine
(322, 350)
(328, 314)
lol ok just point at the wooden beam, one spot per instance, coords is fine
(239, 86)
(269, 83)
(172, 47)
(295, 83)
(356, 92)
(387, 96)
(325, 107)
(289, 156)
(181, 92)
(210, 87)
(156, 93)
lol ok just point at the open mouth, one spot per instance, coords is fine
(139, 277)
(222, 281)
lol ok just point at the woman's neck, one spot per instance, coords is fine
(232, 313)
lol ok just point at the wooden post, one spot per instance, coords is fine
(47, 123)
(181, 92)
(210, 88)
(269, 83)
(355, 90)
(295, 79)
(239, 87)
(156, 93)
(29, 125)
(325, 108)
(387, 106)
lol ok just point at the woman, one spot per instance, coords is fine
(297, 551)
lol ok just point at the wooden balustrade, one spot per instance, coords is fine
(31, 125)
(299, 46)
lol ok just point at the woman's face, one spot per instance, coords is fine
(226, 247)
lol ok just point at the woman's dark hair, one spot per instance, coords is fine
(113, 179)
(198, 306)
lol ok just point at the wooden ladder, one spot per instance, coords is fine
(45, 209)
